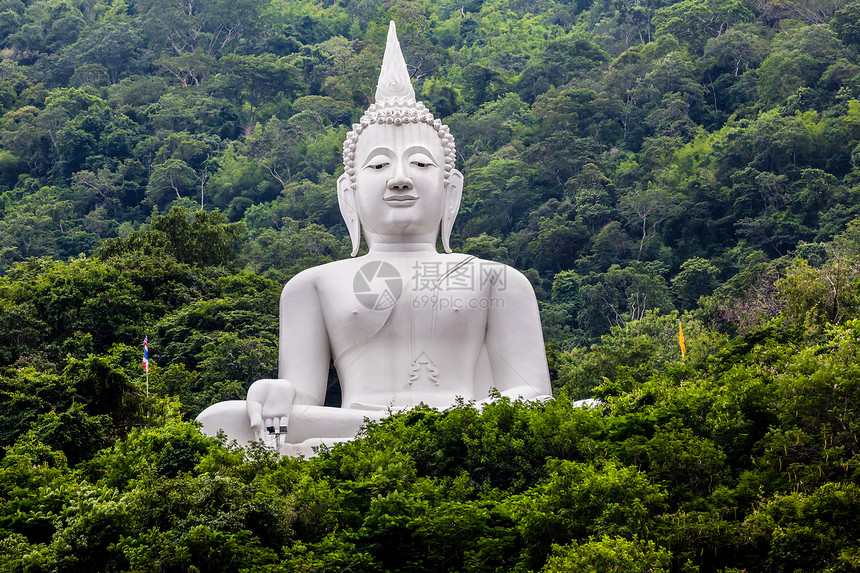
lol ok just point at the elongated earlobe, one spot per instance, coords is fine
(453, 195)
(346, 202)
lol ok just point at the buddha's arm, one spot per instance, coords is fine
(515, 341)
(303, 357)
(303, 354)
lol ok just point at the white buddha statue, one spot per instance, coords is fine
(404, 324)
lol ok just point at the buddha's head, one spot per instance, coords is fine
(399, 182)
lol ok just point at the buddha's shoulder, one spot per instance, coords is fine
(330, 273)
(499, 275)
(473, 260)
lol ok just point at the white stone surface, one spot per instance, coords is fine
(403, 324)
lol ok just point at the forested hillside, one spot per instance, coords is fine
(166, 166)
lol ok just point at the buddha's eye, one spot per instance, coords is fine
(377, 162)
(421, 161)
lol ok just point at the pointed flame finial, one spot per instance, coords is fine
(394, 79)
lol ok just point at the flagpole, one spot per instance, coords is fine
(145, 362)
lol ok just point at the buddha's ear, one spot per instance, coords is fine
(346, 201)
(453, 195)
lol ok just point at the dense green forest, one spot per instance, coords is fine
(166, 166)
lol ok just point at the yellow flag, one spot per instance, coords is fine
(681, 340)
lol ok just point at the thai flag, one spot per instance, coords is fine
(146, 354)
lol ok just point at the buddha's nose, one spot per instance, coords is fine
(399, 180)
(404, 184)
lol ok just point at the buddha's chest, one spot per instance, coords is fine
(413, 307)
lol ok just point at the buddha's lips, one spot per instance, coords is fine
(405, 199)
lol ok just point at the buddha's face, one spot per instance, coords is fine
(399, 179)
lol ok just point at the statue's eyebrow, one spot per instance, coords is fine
(376, 151)
(421, 149)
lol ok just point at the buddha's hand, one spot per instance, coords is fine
(270, 402)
